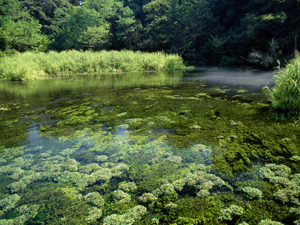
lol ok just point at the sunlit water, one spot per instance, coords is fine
(146, 148)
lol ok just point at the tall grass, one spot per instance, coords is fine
(30, 65)
(285, 95)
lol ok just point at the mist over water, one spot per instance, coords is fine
(253, 81)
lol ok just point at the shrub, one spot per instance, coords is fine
(285, 95)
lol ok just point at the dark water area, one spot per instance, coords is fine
(147, 148)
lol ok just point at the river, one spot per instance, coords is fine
(147, 148)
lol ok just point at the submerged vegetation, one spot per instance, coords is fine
(30, 65)
(166, 153)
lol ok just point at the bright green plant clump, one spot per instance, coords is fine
(285, 95)
(29, 65)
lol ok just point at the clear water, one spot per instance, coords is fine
(146, 148)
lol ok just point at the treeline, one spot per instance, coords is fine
(225, 32)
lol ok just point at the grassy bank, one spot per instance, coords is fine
(285, 95)
(29, 65)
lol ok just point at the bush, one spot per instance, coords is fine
(285, 95)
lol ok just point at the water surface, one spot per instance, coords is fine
(146, 148)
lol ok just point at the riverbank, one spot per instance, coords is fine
(31, 66)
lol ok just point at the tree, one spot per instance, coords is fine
(179, 25)
(44, 12)
(96, 38)
(84, 28)
(19, 30)
(125, 28)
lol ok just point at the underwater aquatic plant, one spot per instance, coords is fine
(232, 210)
(128, 186)
(89, 168)
(203, 193)
(287, 195)
(269, 222)
(195, 126)
(165, 189)
(233, 123)
(295, 158)
(179, 184)
(9, 202)
(127, 218)
(101, 158)
(67, 152)
(154, 220)
(94, 215)
(170, 206)
(121, 196)
(201, 180)
(273, 171)
(58, 168)
(174, 159)
(205, 150)
(252, 193)
(67, 176)
(148, 197)
(95, 199)
(27, 213)
(296, 211)
(290, 191)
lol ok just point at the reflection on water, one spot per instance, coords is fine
(82, 85)
(146, 148)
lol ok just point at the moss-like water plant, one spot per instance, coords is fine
(171, 153)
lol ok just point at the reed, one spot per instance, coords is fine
(285, 95)
(30, 65)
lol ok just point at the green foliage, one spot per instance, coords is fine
(19, 30)
(45, 13)
(179, 25)
(285, 95)
(128, 29)
(224, 32)
(28, 66)
(83, 29)
(96, 38)
(105, 8)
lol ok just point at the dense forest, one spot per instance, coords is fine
(224, 32)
